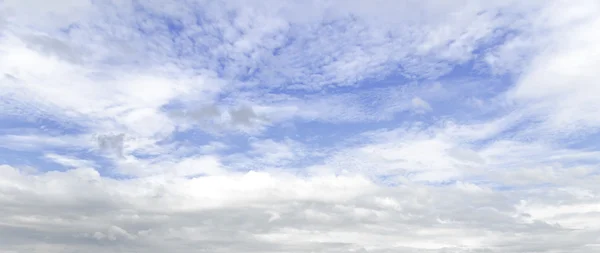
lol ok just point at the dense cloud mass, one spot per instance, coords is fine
(300, 126)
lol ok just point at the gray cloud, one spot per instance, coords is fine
(52, 46)
(10, 77)
(244, 115)
(214, 118)
(208, 112)
(87, 212)
(111, 144)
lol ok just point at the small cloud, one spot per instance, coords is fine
(111, 144)
(243, 116)
(475, 102)
(273, 216)
(10, 77)
(204, 113)
(420, 106)
(213, 146)
(70, 161)
(52, 46)
(99, 236)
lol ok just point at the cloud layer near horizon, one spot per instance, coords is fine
(299, 126)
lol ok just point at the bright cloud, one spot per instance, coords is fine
(299, 126)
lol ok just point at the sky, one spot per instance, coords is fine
(460, 126)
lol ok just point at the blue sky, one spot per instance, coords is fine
(299, 126)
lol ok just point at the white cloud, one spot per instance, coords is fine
(42, 141)
(569, 77)
(419, 105)
(70, 162)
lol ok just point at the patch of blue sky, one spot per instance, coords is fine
(24, 125)
(102, 164)
(388, 180)
(526, 187)
(44, 132)
(19, 158)
(443, 183)
(40, 159)
(590, 141)
(589, 162)
(328, 134)
(193, 136)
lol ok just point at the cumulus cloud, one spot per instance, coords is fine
(299, 126)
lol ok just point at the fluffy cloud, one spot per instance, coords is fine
(299, 126)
